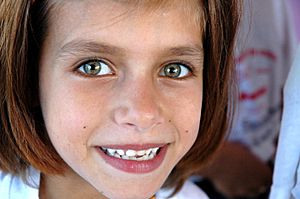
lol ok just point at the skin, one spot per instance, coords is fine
(133, 103)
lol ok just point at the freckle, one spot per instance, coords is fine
(170, 120)
(187, 131)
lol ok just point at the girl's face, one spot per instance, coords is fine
(121, 93)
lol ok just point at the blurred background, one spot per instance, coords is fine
(267, 40)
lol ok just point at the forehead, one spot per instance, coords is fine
(122, 23)
(190, 9)
(150, 4)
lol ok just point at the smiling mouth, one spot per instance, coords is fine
(134, 158)
(130, 154)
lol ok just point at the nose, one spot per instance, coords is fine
(139, 107)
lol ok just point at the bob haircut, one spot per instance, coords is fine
(23, 138)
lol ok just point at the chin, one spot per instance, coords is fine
(134, 195)
(142, 189)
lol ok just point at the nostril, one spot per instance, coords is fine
(138, 116)
(139, 125)
(136, 122)
(129, 124)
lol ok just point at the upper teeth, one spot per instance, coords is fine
(130, 154)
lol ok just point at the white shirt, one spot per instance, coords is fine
(12, 187)
(264, 54)
(286, 177)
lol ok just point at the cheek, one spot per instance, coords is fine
(187, 118)
(190, 126)
(65, 126)
(70, 116)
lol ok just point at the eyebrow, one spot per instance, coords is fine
(84, 46)
(194, 50)
(76, 47)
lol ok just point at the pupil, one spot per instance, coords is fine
(92, 68)
(173, 70)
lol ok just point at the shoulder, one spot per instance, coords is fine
(188, 191)
(13, 187)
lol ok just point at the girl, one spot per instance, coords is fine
(103, 98)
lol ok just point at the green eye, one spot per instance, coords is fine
(95, 68)
(175, 70)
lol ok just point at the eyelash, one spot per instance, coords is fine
(187, 68)
(82, 71)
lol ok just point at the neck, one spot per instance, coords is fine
(69, 185)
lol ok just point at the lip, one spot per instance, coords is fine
(132, 166)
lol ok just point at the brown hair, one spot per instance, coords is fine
(23, 137)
